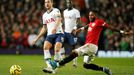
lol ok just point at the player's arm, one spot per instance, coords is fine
(82, 28)
(76, 27)
(78, 21)
(118, 30)
(41, 33)
(58, 21)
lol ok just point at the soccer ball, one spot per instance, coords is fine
(15, 70)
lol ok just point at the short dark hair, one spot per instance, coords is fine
(95, 10)
(68, 0)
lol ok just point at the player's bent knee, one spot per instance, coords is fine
(46, 48)
(85, 65)
(47, 45)
(57, 49)
(58, 46)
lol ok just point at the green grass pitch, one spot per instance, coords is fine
(33, 65)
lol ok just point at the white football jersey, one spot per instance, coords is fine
(50, 20)
(70, 18)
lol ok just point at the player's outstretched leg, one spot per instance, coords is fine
(64, 61)
(97, 68)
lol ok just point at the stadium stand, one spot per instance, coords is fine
(21, 18)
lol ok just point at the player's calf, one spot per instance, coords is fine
(97, 68)
(93, 67)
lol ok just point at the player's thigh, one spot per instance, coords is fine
(87, 49)
(59, 40)
(70, 39)
(51, 38)
(47, 45)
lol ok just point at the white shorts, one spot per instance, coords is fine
(88, 51)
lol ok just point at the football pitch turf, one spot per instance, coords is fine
(33, 65)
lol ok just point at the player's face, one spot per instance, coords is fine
(69, 4)
(48, 4)
(91, 17)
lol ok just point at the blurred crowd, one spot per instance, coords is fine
(21, 19)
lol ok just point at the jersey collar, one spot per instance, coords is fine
(70, 9)
(50, 11)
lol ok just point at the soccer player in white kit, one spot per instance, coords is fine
(71, 20)
(52, 24)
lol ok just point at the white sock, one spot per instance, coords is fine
(48, 64)
(47, 57)
(57, 56)
(62, 52)
(75, 61)
(86, 59)
(62, 56)
(58, 64)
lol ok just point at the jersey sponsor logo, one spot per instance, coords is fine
(89, 29)
(50, 20)
(93, 24)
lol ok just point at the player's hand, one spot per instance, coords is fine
(34, 42)
(126, 33)
(129, 33)
(78, 30)
(54, 31)
(73, 32)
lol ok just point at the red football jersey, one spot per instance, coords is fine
(94, 30)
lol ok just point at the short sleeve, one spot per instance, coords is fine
(77, 14)
(57, 13)
(102, 23)
(43, 19)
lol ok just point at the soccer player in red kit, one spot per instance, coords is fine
(91, 45)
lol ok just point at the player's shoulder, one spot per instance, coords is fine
(99, 20)
(65, 10)
(75, 9)
(56, 10)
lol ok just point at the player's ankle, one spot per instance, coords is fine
(58, 65)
